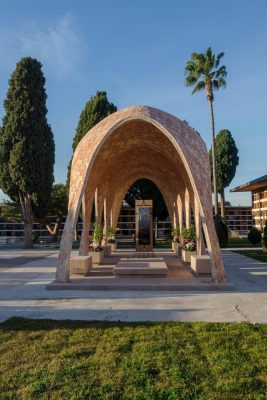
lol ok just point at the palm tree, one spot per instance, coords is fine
(203, 72)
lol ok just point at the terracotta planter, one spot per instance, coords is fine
(97, 256)
(186, 255)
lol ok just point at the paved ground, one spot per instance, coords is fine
(25, 274)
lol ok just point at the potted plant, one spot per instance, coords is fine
(95, 249)
(176, 242)
(112, 237)
(189, 243)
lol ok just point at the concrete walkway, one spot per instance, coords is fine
(24, 276)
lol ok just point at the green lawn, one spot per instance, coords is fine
(238, 242)
(256, 254)
(70, 360)
(163, 244)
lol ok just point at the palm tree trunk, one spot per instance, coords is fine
(214, 169)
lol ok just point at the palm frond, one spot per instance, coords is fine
(203, 67)
(209, 52)
(218, 59)
(221, 72)
(211, 75)
(190, 80)
(200, 86)
(190, 66)
(218, 83)
(198, 58)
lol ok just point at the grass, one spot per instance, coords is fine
(163, 244)
(256, 254)
(238, 242)
(44, 359)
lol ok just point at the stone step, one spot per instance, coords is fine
(152, 267)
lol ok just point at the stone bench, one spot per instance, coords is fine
(81, 265)
(201, 264)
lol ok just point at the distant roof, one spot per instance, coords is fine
(252, 185)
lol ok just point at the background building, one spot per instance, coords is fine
(258, 189)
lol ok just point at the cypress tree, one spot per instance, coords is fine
(27, 149)
(226, 162)
(96, 109)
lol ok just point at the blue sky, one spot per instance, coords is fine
(137, 51)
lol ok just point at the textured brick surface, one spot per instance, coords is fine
(133, 143)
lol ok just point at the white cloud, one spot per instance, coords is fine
(59, 46)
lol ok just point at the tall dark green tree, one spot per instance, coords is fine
(203, 72)
(226, 160)
(27, 149)
(96, 109)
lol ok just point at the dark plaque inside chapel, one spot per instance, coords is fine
(144, 226)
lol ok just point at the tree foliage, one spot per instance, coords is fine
(221, 230)
(96, 109)
(58, 208)
(203, 72)
(10, 211)
(59, 200)
(27, 149)
(226, 158)
(144, 189)
(254, 236)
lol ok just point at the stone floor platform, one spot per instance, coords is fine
(179, 276)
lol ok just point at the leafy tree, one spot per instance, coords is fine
(203, 72)
(58, 208)
(27, 150)
(226, 161)
(96, 109)
(254, 236)
(144, 189)
(10, 211)
(222, 232)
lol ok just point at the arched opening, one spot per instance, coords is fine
(143, 189)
